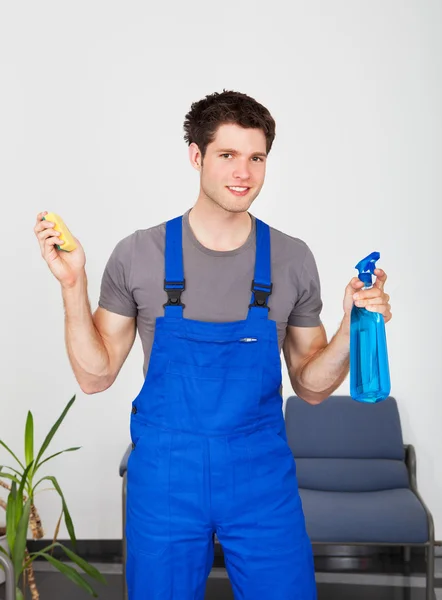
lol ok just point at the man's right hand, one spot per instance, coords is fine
(67, 267)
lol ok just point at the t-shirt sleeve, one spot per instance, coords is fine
(308, 306)
(115, 293)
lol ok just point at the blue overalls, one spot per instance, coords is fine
(210, 454)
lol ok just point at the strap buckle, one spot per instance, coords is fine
(261, 295)
(174, 293)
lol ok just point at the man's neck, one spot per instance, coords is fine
(218, 229)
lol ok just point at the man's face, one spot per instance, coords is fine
(236, 158)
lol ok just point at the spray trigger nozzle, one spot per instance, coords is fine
(366, 267)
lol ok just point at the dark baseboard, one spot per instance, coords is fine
(111, 551)
(91, 550)
(99, 551)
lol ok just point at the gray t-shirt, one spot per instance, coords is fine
(218, 284)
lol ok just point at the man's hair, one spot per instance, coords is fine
(205, 117)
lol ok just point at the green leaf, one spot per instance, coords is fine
(12, 454)
(54, 455)
(19, 473)
(67, 516)
(24, 477)
(18, 554)
(33, 555)
(53, 431)
(4, 551)
(11, 523)
(19, 502)
(19, 594)
(29, 439)
(71, 573)
(87, 568)
(18, 509)
(11, 477)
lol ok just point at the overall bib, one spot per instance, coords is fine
(210, 454)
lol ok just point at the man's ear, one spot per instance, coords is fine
(195, 156)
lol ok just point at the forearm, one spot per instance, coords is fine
(324, 372)
(87, 353)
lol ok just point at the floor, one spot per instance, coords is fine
(337, 578)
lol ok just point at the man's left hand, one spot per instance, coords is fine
(374, 299)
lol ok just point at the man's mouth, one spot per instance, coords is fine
(238, 190)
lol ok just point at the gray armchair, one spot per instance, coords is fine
(357, 480)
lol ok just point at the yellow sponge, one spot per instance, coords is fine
(66, 235)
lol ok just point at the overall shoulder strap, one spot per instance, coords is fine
(174, 282)
(262, 283)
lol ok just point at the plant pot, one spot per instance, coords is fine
(4, 544)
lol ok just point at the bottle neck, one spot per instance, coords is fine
(367, 279)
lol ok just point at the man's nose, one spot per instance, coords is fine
(242, 170)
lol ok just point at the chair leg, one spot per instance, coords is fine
(406, 567)
(125, 597)
(430, 571)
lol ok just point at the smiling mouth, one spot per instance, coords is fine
(238, 190)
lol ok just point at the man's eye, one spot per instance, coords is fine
(258, 157)
(226, 154)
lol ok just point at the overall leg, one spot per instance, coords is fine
(169, 541)
(267, 551)
(180, 572)
(268, 562)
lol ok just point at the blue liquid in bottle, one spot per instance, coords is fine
(369, 369)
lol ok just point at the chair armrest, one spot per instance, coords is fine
(8, 567)
(123, 463)
(410, 461)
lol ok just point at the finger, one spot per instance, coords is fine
(381, 308)
(381, 278)
(46, 233)
(362, 301)
(44, 236)
(356, 283)
(376, 307)
(41, 225)
(40, 216)
(384, 310)
(371, 293)
(49, 243)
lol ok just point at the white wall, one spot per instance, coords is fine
(93, 97)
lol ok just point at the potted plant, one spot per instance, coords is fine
(22, 514)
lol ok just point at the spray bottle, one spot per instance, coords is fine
(369, 369)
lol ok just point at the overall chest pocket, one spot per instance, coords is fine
(211, 397)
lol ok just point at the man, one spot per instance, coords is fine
(215, 295)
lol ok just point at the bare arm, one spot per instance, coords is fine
(316, 368)
(97, 344)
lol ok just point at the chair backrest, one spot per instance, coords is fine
(344, 445)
